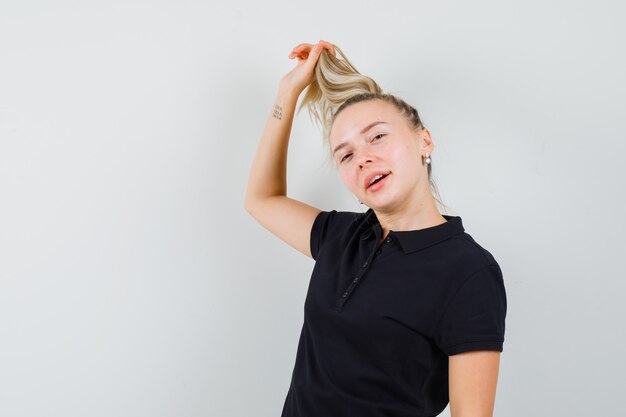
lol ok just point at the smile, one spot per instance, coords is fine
(378, 184)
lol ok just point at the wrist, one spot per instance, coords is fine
(287, 95)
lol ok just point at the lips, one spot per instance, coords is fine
(368, 179)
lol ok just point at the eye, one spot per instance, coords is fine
(380, 135)
(342, 159)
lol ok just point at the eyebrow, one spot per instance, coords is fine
(365, 129)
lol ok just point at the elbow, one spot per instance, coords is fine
(248, 205)
(247, 201)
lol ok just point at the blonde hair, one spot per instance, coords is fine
(336, 85)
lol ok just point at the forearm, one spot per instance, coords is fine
(268, 174)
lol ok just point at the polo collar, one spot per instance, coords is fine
(414, 240)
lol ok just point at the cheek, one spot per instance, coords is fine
(350, 180)
(405, 160)
(407, 149)
(399, 154)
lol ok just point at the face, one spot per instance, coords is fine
(371, 137)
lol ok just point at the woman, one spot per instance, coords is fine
(405, 311)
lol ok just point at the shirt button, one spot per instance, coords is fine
(345, 294)
(378, 252)
(388, 239)
(365, 264)
(355, 280)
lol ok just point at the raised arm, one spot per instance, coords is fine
(266, 195)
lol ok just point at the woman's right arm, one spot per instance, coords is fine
(266, 195)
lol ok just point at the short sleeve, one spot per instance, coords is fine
(320, 230)
(474, 319)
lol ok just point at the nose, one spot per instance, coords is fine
(363, 160)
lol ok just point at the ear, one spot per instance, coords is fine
(425, 141)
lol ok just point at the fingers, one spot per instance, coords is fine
(329, 46)
(302, 50)
(303, 46)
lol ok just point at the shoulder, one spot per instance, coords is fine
(337, 221)
(465, 256)
(336, 226)
(466, 245)
(340, 217)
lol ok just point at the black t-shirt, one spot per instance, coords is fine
(381, 319)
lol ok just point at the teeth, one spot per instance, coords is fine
(375, 178)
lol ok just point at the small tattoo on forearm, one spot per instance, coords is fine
(278, 112)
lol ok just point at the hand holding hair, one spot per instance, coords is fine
(296, 80)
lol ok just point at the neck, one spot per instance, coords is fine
(409, 217)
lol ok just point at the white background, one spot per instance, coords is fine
(133, 282)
